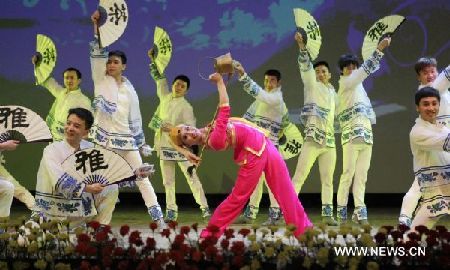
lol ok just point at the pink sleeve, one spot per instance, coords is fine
(218, 137)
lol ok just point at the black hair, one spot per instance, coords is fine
(347, 59)
(120, 54)
(73, 69)
(321, 63)
(426, 92)
(273, 72)
(83, 114)
(183, 78)
(423, 63)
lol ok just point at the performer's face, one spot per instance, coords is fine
(428, 108)
(427, 75)
(348, 69)
(270, 82)
(71, 80)
(191, 135)
(323, 75)
(114, 66)
(179, 88)
(75, 129)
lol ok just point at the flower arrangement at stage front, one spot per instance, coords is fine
(53, 245)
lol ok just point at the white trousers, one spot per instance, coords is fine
(355, 165)
(168, 176)
(146, 189)
(410, 201)
(422, 217)
(326, 157)
(105, 202)
(6, 197)
(20, 192)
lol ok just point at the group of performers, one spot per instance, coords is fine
(114, 122)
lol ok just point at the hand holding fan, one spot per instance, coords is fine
(310, 31)
(45, 58)
(162, 49)
(113, 21)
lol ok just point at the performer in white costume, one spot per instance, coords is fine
(430, 147)
(66, 98)
(356, 117)
(117, 117)
(7, 182)
(58, 195)
(317, 116)
(174, 110)
(269, 112)
(427, 74)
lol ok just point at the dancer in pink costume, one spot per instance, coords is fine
(254, 153)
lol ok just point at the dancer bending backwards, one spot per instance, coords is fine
(255, 154)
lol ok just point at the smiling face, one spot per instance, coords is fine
(348, 69)
(427, 75)
(323, 75)
(428, 109)
(192, 135)
(114, 66)
(75, 129)
(270, 82)
(179, 88)
(71, 80)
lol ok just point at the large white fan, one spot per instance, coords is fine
(162, 49)
(291, 142)
(22, 124)
(385, 26)
(98, 165)
(308, 27)
(46, 58)
(113, 20)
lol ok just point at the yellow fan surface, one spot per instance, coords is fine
(162, 47)
(291, 143)
(308, 27)
(113, 19)
(46, 52)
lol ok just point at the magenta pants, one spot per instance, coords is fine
(277, 177)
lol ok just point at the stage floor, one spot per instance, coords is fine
(137, 217)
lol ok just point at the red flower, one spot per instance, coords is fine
(118, 252)
(218, 259)
(237, 261)
(441, 228)
(244, 231)
(107, 251)
(135, 238)
(143, 265)
(179, 239)
(101, 236)
(388, 228)
(91, 251)
(124, 230)
(225, 244)
(84, 265)
(380, 237)
(81, 247)
(210, 252)
(132, 252)
(212, 228)
(150, 243)
(106, 229)
(185, 229)
(402, 227)
(194, 226)
(197, 256)
(172, 224)
(413, 236)
(238, 248)
(123, 265)
(161, 259)
(83, 238)
(421, 229)
(229, 233)
(153, 226)
(176, 256)
(94, 225)
(165, 232)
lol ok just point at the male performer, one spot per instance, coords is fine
(317, 116)
(67, 97)
(269, 112)
(118, 122)
(174, 110)
(426, 70)
(59, 196)
(254, 152)
(7, 182)
(429, 141)
(356, 118)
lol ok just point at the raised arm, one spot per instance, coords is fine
(51, 84)
(369, 66)
(99, 56)
(162, 88)
(218, 137)
(430, 140)
(442, 82)
(304, 65)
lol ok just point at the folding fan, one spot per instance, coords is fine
(46, 58)
(308, 27)
(113, 20)
(291, 142)
(162, 49)
(98, 165)
(22, 124)
(380, 29)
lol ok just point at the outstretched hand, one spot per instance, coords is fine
(299, 38)
(239, 68)
(384, 43)
(9, 145)
(95, 17)
(216, 78)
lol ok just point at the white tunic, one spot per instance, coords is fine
(442, 83)
(117, 116)
(57, 193)
(430, 146)
(354, 110)
(318, 112)
(64, 101)
(268, 110)
(172, 110)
